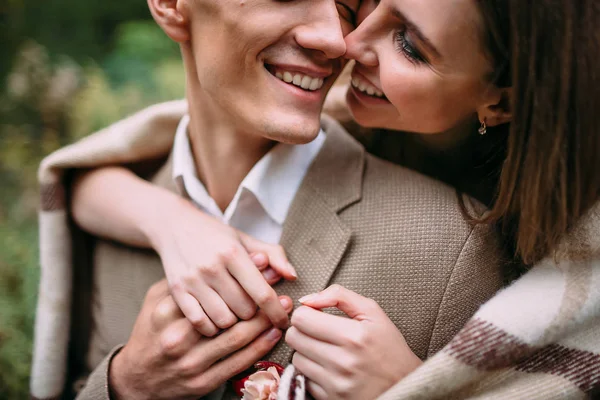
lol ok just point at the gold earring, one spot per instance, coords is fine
(483, 128)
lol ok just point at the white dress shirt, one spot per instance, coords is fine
(262, 200)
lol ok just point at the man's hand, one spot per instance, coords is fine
(166, 358)
(212, 270)
(357, 358)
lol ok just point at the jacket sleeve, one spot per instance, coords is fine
(96, 387)
(477, 275)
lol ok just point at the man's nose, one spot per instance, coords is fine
(323, 32)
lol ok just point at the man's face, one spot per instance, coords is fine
(246, 52)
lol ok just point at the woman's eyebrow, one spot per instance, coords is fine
(413, 28)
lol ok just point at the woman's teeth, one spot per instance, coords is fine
(366, 88)
(304, 81)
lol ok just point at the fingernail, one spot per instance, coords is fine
(285, 302)
(293, 271)
(307, 298)
(270, 273)
(274, 334)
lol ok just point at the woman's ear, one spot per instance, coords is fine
(168, 15)
(497, 109)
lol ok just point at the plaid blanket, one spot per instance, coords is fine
(537, 339)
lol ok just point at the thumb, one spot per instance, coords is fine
(350, 303)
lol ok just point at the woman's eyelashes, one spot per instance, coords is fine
(404, 45)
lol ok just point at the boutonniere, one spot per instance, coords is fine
(272, 382)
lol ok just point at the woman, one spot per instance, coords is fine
(538, 197)
(542, 193)
(544, 197)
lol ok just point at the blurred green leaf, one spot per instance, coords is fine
(73, 68)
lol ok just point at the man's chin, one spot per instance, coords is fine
(293, 130)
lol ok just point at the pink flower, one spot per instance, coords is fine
(262, 385)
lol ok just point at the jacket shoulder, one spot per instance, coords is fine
(396, 183)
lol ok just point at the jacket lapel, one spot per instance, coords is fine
(314, 237)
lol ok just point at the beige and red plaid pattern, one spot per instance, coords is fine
(537, 339)
(49, 367)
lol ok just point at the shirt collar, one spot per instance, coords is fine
(184, 170)
(182, 151)
(274, 179)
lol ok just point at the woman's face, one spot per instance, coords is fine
(420, 65)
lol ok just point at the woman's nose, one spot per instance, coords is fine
(359, 47)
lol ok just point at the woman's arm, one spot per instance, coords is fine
(114, 203)
(211, 267)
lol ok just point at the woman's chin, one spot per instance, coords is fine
(363, 118)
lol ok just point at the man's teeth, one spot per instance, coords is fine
(304, 81)
(366, 87)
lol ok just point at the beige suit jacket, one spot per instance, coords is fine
(376, 228)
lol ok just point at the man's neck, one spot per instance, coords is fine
(223, 155)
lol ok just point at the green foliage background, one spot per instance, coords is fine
(67, 68)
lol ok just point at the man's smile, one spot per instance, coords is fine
(307, 80)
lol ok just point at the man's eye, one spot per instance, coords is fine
(346, 12)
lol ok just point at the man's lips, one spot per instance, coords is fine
(309, 79)
(311, 70)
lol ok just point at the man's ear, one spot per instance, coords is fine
(168, 15)
(497, 109)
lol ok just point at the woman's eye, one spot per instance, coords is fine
(346, 12)
(404, 45)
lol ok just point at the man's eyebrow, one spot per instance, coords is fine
(416, 31)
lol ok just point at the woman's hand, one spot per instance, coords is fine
(210, 267)
(357, 358)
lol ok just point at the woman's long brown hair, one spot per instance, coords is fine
(551, 175)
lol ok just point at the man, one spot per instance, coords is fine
(349, 219)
